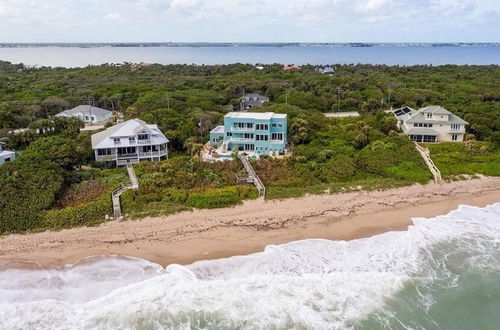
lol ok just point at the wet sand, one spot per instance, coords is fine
(210, 234)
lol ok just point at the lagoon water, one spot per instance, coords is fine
(443, 273)
(475, 54)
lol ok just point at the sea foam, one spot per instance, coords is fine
(312, 283)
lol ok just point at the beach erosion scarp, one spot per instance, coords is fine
(189, 236)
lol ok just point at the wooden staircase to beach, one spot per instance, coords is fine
(252, 176)
(426, 155)
(115, 195)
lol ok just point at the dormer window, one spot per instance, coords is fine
(116, 140)
(429, 115)
(131, 139)
(142, 137)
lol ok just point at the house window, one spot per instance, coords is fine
(262, 137)
(116, 140)
(277, 136)
(274, 125)
(229, 134)
(280, 125)
(415, 125)
(131, 139)
(429, 138)
(142, 137)
(430, 125)
(420, 125)
(104, 152)
(262, 127)
(455, 127)
(454, 137)
(429, 115)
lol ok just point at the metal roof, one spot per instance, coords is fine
(422, 131)
(132, 127)
(420, 116)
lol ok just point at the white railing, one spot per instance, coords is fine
(242, 139)
(242, 129)
(153, 153)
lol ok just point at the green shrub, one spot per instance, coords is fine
(454, 159)
(212, 200)
(409, 171)
(90, 214)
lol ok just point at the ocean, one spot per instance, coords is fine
(405, 54)
(443, 273)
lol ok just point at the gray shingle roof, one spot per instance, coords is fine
(86, 109)
(260, 99)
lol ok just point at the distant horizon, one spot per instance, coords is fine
(249, 42)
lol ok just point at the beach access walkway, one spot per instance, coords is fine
(115, 195)
(252, 176)
(342, 114)
(426, 155)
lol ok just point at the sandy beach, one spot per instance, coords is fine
(209, 234)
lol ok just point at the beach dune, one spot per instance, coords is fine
(210, 234)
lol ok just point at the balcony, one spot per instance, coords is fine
(241, 140)
(127, 156)
(242, 129)
(105, 158)
(159, 153)
(148, 141)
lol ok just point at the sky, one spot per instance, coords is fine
(250, 20)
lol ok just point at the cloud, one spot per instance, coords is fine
(184, 20)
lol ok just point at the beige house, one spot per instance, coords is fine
(431, 124)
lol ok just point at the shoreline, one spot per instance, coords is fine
(190, 236)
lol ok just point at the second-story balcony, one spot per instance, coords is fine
(242, 129)
(237, 139)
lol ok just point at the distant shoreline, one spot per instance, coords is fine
(243, 44)
(187, 237)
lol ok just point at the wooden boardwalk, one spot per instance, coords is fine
(426, 155)
(115, 195)
(252, 176)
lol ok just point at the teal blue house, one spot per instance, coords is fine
(256, 133)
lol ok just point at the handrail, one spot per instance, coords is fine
(426, 155)
(252, 175)
(115, 195)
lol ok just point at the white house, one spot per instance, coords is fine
(431, 124)
(87, 113)
(129, 142)
(5, 155)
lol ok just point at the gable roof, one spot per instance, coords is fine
(128, 128)
(85, 109)
(410, 115)
(435, 109)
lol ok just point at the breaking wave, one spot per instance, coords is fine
(443, 273)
